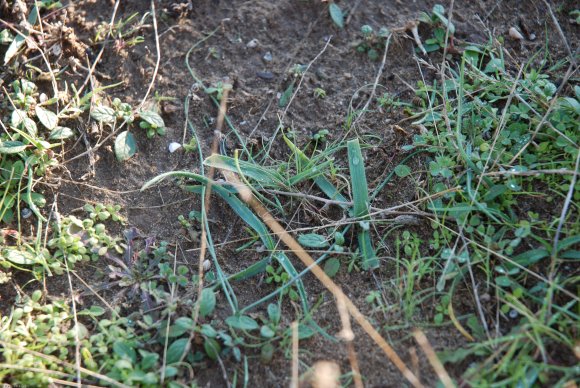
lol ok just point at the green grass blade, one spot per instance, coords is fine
(360, 194)
(265, 177)
(184, 174)
(323, 184)
(248, 216)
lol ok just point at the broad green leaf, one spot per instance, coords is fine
(18, 257)
(207, 302)
(103, 114)
(285, 97)
(17, 117)
(94, 311)
(20, 38)
(60, 133)
(47, 118)
(11, 147)
(180, 326)
(242, 322)
(212, 348)
(124, 350)
(152, 119)
(125, 146)
(360, 196)
(313, 240)
(331, 266)
(531, 257)
(208, 331)
(267, 332)
(336, 15)
(402, 170)
(176, 350)
(274, 313)
(503, 281)
(30, 126)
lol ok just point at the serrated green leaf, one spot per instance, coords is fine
(125, 146)
(60, 133)
(47, 118)
(336, 15)
(313, 240)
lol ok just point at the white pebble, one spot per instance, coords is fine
(174, 147)
(253, 43)
(515, 34)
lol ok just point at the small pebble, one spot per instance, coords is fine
(174, 147)
(267, 57)
(266, 75)
(26, 213)
(515, 34)
(513, 314)
(252, 44)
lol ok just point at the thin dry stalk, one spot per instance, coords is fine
(203, 245)
(294, 383)
(248, 197)
(158, 49)
(433, 359)
(347, 335)
(325, 374)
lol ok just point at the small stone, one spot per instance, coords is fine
(515, 34)
(267, 57)
(26, 213)
(347, 75)
(252, 44)
(174, 147)
(265, 75)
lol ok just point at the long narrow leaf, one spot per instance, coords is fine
(360, 194)
(248, 216)
(323, 184)
(185, 174)
(264, 176)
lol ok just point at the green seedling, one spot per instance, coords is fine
(320, 93)
(372, 43)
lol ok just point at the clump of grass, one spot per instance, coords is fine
(510, 142)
